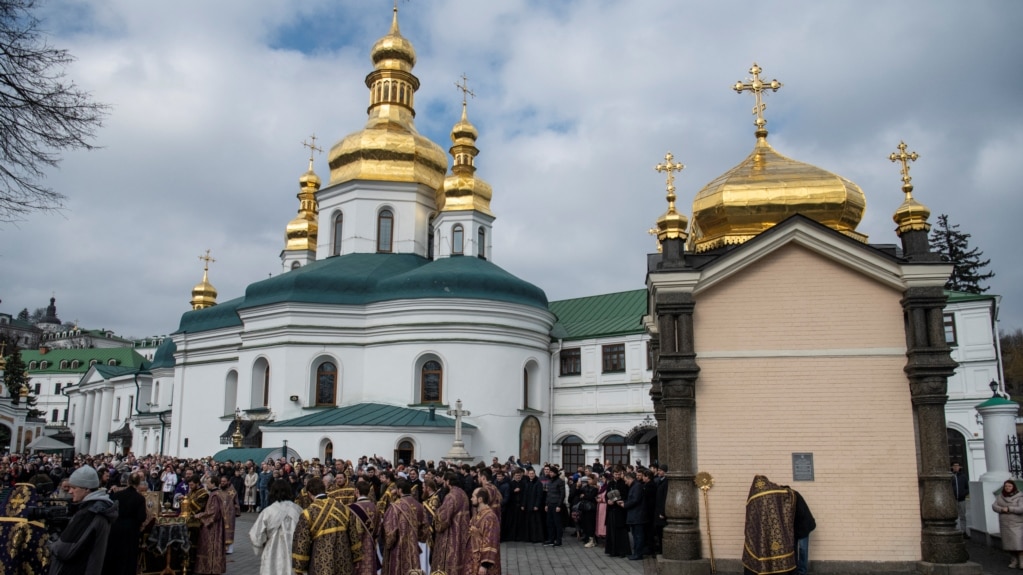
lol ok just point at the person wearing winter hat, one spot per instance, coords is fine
(82, 545)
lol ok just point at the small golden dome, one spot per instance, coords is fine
(671, 225)
(463, 190)
(301, 233)
(204, 294)
(911, 215)
(389, 148)
(765, 189)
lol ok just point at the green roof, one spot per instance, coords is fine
(371, 414)
(164, 355)
(359, 279)
(600, 315)
(959, 296)
(257, 454)
(125, 357)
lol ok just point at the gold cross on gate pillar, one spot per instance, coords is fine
(757, 86)
(464, 87)
(312, 149)
(902, 156)
(670, 167)
(207, 258)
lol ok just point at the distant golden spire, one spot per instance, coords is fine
(671, 224)
(463, 190)
(911, 215)
(302, 232)
(757, 86)
(464, 87)
(204, 294)
(312, 150)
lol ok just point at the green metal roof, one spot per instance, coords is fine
(600, 315)
(164, 355)
(371, 414)
(959, 296)
(257, 454)
(359, 279)
(126, 357)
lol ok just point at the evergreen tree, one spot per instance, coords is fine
(968, 268)
(14, 374)
(23, 314)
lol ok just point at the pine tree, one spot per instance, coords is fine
(968, 268)
(14, 374)
(23, 314)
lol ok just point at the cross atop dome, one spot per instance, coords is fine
(313, 148)
(902, 156)
(757, 86)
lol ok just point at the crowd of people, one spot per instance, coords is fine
(365, 516)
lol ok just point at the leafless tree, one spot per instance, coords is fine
(42, 112)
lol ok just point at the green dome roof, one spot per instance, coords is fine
(164, 355)
(359, 279)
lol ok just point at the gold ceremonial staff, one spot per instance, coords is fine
(704, 481)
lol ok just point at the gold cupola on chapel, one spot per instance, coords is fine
(463, 189)
(301, 232)
(389, 148)
(204, 294)
(767, 187)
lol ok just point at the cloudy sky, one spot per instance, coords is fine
(576, 102)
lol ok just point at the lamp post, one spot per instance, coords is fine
(994, 388)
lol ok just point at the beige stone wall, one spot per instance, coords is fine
(801, 354)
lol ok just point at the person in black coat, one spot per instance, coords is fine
(587, 504)
(616, 543)
(123, 543)
(533, 504)
(660, 513)
(646, 476)
(635, 514)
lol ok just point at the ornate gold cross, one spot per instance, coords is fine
(757, 86)
(670, 167)
(902, 156)
(464, 87)
(312, 149)
(207, 258)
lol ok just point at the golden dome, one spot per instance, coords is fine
(301, 233)
(462, 190)
(911, 215)
(389, 148)
(204, 294)
(765, 189)
(671, 224)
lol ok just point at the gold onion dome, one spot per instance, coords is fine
(204, 294)
(389, 148)
(302, 231)
(911, 215)
(671, 224)
(463, 190)
(766, 188)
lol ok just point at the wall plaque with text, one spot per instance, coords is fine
(802, 467)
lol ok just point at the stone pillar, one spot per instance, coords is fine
(999, 424)
(928, 368)
(106, 410)
(85, 420)
(677, 372)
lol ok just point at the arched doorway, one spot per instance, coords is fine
(328, 453)
(957, 450)
(404, 452)
(615, 450)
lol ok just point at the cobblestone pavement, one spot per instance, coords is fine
(572, 558)
(516, 558)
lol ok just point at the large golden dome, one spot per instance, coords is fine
(463, 190)
(389, 148)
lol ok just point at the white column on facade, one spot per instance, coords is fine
(106, 411)
(999, 425)
(85, 422)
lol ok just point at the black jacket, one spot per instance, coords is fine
(555, 492)
(635, 512)
(83, 543)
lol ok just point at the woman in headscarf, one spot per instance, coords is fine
(1009, 507)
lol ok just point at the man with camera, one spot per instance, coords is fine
(82, 545)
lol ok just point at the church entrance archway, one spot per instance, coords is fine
(5, 437)
(529, 440)
(404, 452)
(957, 450)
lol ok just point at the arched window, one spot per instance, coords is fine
(405, 452)
(326, 384)
(525, 388)
(92, 362)
(156, 394)
(63, 364)
(296, 265)
(266, 386)
(339, 220)
(33, 365)
(385, 231)
(572, 454)
(457, 239)
(75, 363)
(431, 382)
(112, 362)
(328, 453)
(230, 393)
(615, 449)
(481, 243)
(45, 364)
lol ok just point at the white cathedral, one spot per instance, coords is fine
(390, 311)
